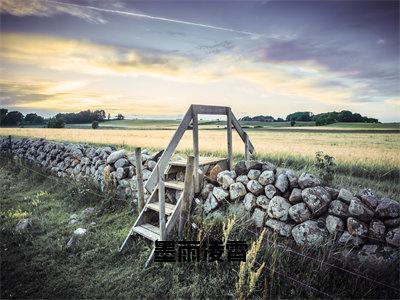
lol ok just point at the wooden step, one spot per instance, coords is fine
(174, 184)
(169, 208)
(202, 161)
(149, 231)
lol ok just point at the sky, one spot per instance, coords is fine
(155, 58)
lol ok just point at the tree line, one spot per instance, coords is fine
(16, 118)
(319, 119)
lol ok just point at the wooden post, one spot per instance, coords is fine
(196, 151)
(229, 136)
(139, 178)
(186, 197)
(246, 149)
(161, 202)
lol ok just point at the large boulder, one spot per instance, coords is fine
(356, 227)
(388, 208)
(278, 208)
(393, 237)
(113, 157)
(258, 217)
(295, 196)
(345, 195)
(266, 177)
(293, 179)
(243, 179)
(253, 174)
(270, 191)
(219, 193)
(237, 190)
(282, 228)
(310, 233)
(220, 176)
(339, 209)
(262, 201)
(282, 183)
(334, 225)
(317, 200)
(299, 213)
(360, 211)
(376, 230)
(120, 163)
(254, 187)
(227, 181)
(307, 180)
(249, 201)
(370, 200)
(243, 166)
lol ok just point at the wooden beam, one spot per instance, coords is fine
(187, 196)
(161, 202)
(164, 160)
(139, 178)
(209, 109)
(246, 148)
(241, 133)
(196, 151)
(229, 137)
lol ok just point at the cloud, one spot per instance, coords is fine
(44, 8)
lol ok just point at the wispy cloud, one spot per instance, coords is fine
(44, 8)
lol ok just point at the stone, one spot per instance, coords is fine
(210, 204)
(24, 225)
(334, 225)
(231, 174)
(395, 222)
(253, 174)
(240, 168)
(270, 191)
(207, 188)
(293, 179)
(299, 213)
(254, 187)
(278, 208)
(370, 201)
(258, 217)
(307, 180)
(282, 228)
(180, 176)
(114, 156)
(226, 182)
(253, 164)
(317, 200)
(88, 211)
(347, 239)
(339, 209)
(146, 174)
(356, 227)
(263, 201)
(310, 233)
(120, 163)
(360, 211)
(73, 222)
(151, 164)
(121, 173)
(266, 177)
(237, 190)
(243, 179)
(267, 166)
(393, 237)
(388, 208)
(80, 231)
(219, 193)
(333, 192)
(282, 183)
(345, 195)
(215, 171)
(376, 230)
(249, 201)
(295, 196)
(365, 192)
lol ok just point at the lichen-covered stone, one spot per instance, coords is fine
(278, 208)
(317, 200)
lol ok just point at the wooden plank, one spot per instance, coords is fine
(139, 178)
(241, 132)
(246, 148)
(229, 137)
(146, 232)
(161, 202)
(169, 207)
(187, 196)
(202, 161)
(172, 219)
(196, 151)
(209, 109)
(163, 162)
(151, 258)
(176, 185)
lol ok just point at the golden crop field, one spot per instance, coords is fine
(351, 148)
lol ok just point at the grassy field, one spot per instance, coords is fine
(37, 264)
(362, 154)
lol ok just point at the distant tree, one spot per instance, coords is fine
(279, 120)
(95, 124)
(12, 118)
(120, 117)
(305, 116)
(109, 116)
(56, 122)
(3, 113)
(33, 119)
(292, 123)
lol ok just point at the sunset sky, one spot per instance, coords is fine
(155, 58)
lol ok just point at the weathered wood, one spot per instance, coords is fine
(163, 161)
(229, 137)
(175, 185)
(241, 133)
(186, 197)
(169, 208)
(161, 202)
(209, 109)
(139, 178)
(195, 121)
(149, 231)
(203, 161)
(246, 148)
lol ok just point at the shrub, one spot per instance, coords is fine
(292, 123)
(95, 124)
(326, 166)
